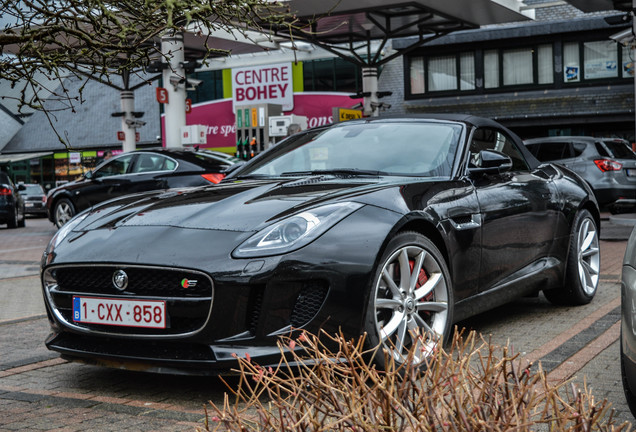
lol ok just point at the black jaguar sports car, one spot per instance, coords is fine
(397, 227)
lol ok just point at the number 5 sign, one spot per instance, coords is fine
(162, 95)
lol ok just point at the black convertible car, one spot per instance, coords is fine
(397, 227)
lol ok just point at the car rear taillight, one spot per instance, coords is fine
(608, 165)
(213, 178)
(5, 191)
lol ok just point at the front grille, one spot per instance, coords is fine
(187, 308)
(142, 281)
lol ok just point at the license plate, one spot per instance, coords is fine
(28, 204)
(116, 312)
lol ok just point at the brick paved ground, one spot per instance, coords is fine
(39, 391)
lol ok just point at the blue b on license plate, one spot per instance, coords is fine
(118, 312)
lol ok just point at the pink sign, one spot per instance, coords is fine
(219, 117)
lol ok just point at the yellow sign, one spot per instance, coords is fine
(254, 117)
(345, 114)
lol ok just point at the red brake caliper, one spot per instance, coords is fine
(422, 277)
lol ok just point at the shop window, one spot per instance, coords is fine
(331, 75)
(601, 59)
(211, 87)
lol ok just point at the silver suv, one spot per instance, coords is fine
(607, 164)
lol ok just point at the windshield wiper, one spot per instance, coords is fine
(335, 172)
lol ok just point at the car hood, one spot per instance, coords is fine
(238, 206)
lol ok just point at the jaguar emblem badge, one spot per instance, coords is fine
(120, 280)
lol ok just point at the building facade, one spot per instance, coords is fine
(559, 75)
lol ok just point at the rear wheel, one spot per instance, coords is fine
(13, 220)
(63, 212)
(411, 301)
(583, 266)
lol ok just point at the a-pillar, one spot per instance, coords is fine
(172, 48)
(370, 88)
(127, 98)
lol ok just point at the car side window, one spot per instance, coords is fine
(492, 139)
(116, 166)
(148, 162)
(552, 151)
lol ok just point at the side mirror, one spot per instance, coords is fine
(21, 187)
(88, 175)
(491, 162)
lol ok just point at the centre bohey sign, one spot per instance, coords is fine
(263, 84)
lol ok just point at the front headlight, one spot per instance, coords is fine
(66, 230)
(294, 231)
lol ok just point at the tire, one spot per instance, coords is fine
(63, 212)
(629, 395)
(422, 305)
(22, 222)
(583, 264)
(13, 221)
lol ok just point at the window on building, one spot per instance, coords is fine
(491, 69)
(595, 60)
(571, 62)
(601, 59)
(211, 87)
(519, 65)
(442, 73)
(627, 69)
(331, 75)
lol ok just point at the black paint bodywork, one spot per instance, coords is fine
(87, 191)
(503, 235)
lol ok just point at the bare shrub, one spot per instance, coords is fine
(471, 386)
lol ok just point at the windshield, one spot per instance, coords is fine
(34, 190)
(381, 148)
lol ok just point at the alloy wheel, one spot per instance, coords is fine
(411, 303)
(63, 213)
(588, 256)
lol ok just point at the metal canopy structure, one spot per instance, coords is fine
(349, 28)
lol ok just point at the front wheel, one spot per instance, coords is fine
(410, 306)
(583, 265)
(63, 212)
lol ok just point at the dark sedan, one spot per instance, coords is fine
(138, 171)
(394, 227)
(34, 200)
(11, 203)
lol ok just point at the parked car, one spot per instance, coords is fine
(608, 165)
(11, 203)
(628, 323)
(137, 171)
(34, 200)
(394, 227)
